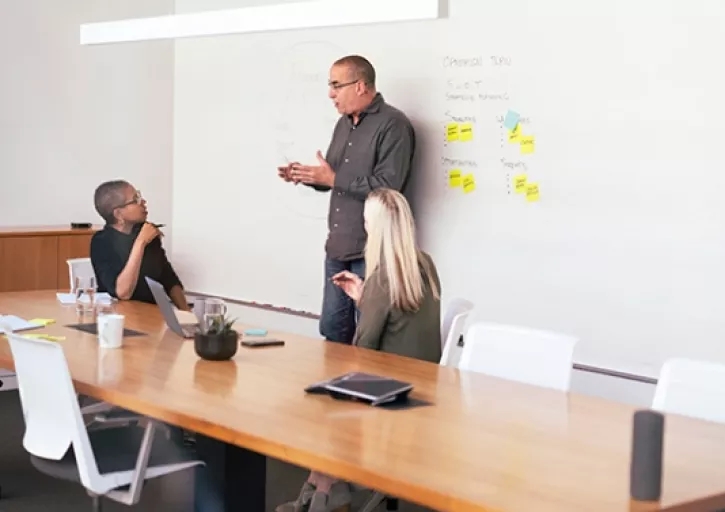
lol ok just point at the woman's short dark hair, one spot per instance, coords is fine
(109, 196)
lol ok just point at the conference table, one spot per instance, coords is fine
(468, 442)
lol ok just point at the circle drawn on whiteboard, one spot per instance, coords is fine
(307, 118)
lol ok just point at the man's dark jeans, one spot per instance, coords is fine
(339, 314)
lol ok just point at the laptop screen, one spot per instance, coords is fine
(164, 303)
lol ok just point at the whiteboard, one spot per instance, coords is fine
(626, 243)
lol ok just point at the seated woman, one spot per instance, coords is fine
(399, 304)
(128, 248)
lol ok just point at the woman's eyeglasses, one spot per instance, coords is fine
(137, 199)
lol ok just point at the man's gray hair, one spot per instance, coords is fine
(361, 68)
(109, 196)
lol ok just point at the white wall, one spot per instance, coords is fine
(72, 117)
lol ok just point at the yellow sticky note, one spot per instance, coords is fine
(520, 183)
(454, 178)
(515, 134)
(532, 192)
(527, 144)
(42, 321)
(469, 184)
(45, 337)
(452, 132)
(466, 132)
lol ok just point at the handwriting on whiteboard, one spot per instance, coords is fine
(472, 91)
(500, 60)
(476, 61)
(460, 119)
(476, 91)
(457, 162)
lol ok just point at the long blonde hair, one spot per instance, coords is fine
(393, 251)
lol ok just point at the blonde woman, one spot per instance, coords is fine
(399, 304)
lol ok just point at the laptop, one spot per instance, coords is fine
(167, 310)
(373, 389)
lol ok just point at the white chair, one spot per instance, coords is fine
(540, 358)
(455, 307)
(101, 460)
(452, 328)
(691, 388)
(79, 267)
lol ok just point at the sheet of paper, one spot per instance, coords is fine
(527, 144)
(452, 132)
(469, 183)
(511, 120)
(515, 134)
(16, 323)
(520, 183)
(532, 192)
(454, 178)
(465, 132)
(70, 298)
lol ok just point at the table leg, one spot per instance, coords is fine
(233, 479)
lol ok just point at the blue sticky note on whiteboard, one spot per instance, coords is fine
(511, 120)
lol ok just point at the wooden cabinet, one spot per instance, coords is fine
(34, 258)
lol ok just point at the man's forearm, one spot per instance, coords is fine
(179, 298)
(127, 279)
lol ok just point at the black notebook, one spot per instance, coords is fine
(373, 389)
(93, 329)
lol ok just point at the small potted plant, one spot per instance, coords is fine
(218, 342)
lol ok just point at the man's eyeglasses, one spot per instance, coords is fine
(337, 85)
(137, 199)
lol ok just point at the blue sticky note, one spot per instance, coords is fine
(511, 120)
(256, 332)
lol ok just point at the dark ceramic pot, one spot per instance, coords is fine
(216, 347)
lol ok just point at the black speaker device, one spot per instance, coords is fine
(645, 479)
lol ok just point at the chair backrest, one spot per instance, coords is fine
(53, 420)
(691, 388)
(79, 267)
(454, 342)
(540, 358)
(455, 307)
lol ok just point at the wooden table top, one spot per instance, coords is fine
(486, 444)
(16, 231)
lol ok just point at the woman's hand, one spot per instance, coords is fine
(350, 283)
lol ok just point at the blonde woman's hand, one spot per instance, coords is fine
(350, 283)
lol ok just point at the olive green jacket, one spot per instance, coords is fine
(382, 327)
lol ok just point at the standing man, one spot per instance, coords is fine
(372, 146)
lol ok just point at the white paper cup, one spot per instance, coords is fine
(110, 331)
